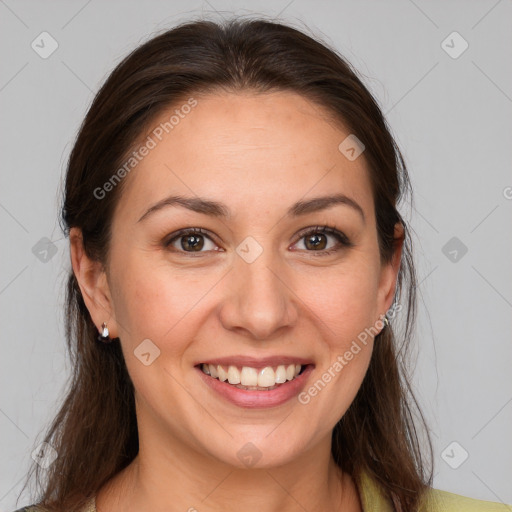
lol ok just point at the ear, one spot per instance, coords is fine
(93, 284)
(389, 272)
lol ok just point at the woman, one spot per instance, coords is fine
(238, 266)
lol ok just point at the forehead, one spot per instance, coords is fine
(255, 152)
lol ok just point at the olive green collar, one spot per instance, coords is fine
(370, 494)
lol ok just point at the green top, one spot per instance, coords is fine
(373, 500)
(435, 500)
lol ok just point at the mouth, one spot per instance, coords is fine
(252, 383)
(251, 378)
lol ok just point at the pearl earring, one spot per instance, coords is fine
(105, 333)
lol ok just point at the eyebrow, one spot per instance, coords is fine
(216, 209)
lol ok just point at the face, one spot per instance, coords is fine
(242, 274)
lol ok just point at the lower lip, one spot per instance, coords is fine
(258, 399)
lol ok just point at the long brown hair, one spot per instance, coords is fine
(95, 430)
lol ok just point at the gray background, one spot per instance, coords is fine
(451, 117)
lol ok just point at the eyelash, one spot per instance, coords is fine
(343, 241)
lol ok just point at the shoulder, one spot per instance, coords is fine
(433, 500)
(30, 508)
(89, 506)
(436, 500)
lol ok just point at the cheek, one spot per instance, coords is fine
(156, 301)
(345, 312)
(344, 300)
(344, 304)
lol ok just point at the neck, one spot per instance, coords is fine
(180, 478)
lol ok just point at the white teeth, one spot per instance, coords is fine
(290, 372)
(233, 375)
(280, 374)
(250, 377)
(213, 371)
(266, 377)
(223, 376)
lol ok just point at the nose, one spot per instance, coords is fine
(258, 301)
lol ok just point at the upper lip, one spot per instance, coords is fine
(256, 362)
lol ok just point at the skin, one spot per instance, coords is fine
(258, 154)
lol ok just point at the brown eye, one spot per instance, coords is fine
(192, 240)
(317, 240)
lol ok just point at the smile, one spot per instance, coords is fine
(255, 382)
(253, 379)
